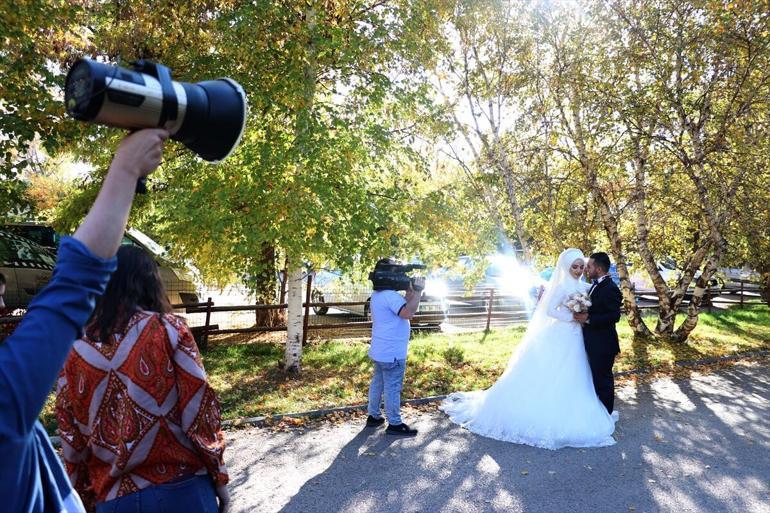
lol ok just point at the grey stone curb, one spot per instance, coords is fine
(312, 414)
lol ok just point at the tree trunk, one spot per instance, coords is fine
(765, 286)
(714, 224)
(666, 311)
(293, 354)
(518, 222)
(294, 275)
(693, 310)
(266, 290)
(609, 221)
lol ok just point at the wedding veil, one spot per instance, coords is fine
(561, 283)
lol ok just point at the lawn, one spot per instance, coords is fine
(248, 378)
(250, 383)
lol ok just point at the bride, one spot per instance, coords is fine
(546, 396)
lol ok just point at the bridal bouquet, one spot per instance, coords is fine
(577, 302)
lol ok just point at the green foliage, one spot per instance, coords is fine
(35, 35)
(454, 355)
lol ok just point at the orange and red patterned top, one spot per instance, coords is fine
(138, 411)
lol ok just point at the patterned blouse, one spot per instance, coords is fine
(6, 328)
(138, 411)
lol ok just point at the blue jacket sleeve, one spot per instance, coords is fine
(31, 358)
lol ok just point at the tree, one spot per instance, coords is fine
(652, 107)
(319, 177)
(36, 35)
(479, 83)
(708, 67)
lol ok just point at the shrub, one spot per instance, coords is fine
(454, 355)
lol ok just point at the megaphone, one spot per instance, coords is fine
(207, 117)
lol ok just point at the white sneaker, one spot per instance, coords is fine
(615, 416)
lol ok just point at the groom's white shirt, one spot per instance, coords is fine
(597, 282)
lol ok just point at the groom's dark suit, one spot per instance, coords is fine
(601, 338)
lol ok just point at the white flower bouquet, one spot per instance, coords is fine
(577, 302)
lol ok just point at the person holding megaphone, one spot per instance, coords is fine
(208, 118)
(32, 479)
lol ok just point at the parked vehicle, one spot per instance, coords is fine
(27, 268)
(334, 287)
(178, 281)
(515, 285)
(41, 234)
(671, 272)
(738, 274)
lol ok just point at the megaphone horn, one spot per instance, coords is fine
(207, 117)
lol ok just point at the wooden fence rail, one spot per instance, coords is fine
(485, 305)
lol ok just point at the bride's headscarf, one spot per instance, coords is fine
(561, 283)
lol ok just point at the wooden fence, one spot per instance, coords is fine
(481, 308)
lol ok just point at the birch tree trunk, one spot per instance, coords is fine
(293, 353)
(610, 221)
(294, 311)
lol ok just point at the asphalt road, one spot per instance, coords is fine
(698, 445)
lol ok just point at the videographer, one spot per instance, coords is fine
(390, 339)
(32, 479)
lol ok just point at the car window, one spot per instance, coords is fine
(43, 235)
(15, 252)
(495, 270)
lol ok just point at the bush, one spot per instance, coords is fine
(454, 355)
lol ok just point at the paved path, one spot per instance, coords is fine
(699, 445)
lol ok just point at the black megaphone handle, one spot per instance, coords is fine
(170, 102)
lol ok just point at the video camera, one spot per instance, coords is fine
(390, 275)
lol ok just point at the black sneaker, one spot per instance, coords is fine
(374, 421)
(400, 430)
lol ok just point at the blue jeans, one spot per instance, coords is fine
(388, 377)
(193, 495)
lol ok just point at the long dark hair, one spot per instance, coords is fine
(135, 285)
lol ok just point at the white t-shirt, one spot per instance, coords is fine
(390, 333)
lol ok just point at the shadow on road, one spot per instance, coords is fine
(699, 445)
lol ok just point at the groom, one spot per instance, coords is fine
(601, 338)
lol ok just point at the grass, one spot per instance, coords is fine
(336, 372)
(249, 380)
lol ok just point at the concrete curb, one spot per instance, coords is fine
(261, 421)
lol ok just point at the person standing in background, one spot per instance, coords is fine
(390, 341)
(32, 479)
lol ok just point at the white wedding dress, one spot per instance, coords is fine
(546, 396)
